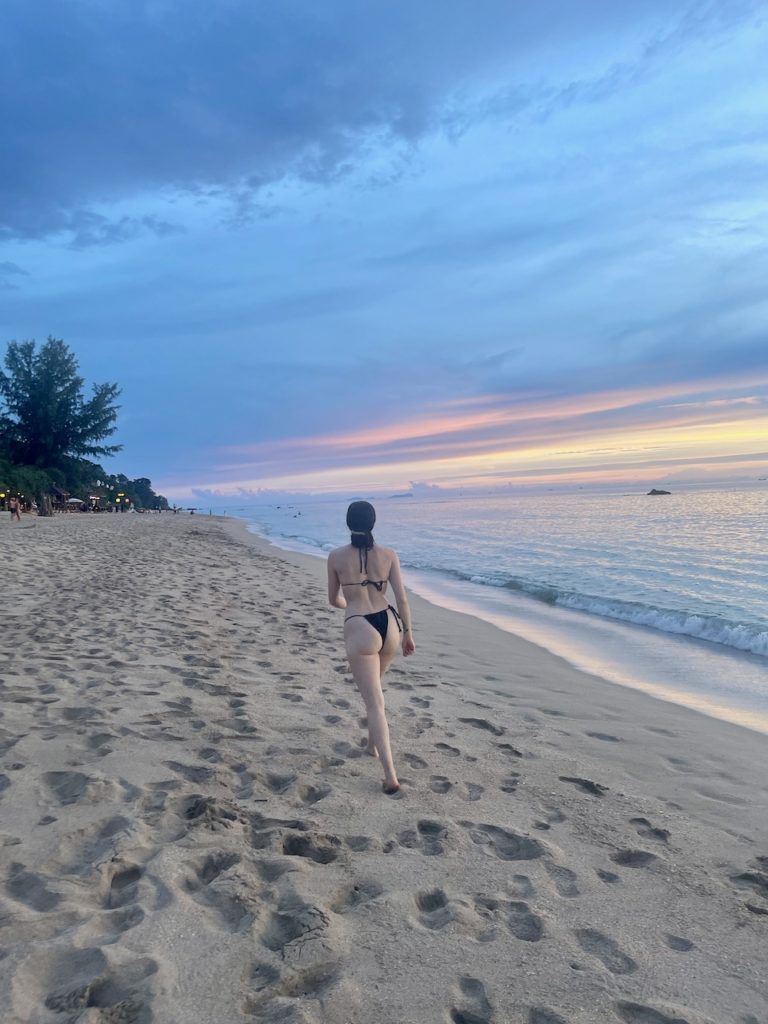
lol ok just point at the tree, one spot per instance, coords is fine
(46, 421)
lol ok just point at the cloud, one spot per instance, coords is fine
(624, 423)
(102, 102)
(88, 228)
(9, 270)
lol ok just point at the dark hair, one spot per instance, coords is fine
(361, 517)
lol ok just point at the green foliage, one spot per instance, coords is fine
(79, 479)
(46, 420)
(47, 429)
(26, 480)
(139, 492)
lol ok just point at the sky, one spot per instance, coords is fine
(350, 247)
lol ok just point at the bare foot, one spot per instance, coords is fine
(372, 751)
(390, 787)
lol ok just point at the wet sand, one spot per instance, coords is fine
(190, 831)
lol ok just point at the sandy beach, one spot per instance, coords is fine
(190, 831)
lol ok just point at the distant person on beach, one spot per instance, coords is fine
(15, 507)
(358, 574)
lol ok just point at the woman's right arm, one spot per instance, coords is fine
(398, 589)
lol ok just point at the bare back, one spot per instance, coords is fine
(363, 577)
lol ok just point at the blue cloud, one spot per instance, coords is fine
(101, 102)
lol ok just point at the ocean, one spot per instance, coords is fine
(666, 593)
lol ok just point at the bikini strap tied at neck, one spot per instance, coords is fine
(362, 551)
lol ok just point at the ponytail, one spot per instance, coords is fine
(361, 517)
(362, 539)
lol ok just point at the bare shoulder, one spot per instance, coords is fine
(333, 556)
(389, 553)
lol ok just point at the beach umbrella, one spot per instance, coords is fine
(74, 501)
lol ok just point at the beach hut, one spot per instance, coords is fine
(58, 498)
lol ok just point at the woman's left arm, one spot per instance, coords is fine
(335, 596)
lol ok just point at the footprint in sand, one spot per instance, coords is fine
(644, 828)
(123, 886)
(233, 899)
(540, 1015)
(520, 920)
(192, 773)
(277, 783)
(296, 930)
(633, 858)
(66, 787)
(313, 794)
(755, 880)
(414, 761)
(446, 748)
(355, 895)
(30, 889)
(587, 785)
(637, 1013)
(563, 879)
(608, 876)
(439, 784)
(359, 844)
(274, 998)
(508, 750)
(208, 812)
(435, 909)
(485, 725)
(503, 844)
(606, 950)
(510, 783)
(270, 870)
(521, 886)
(428, 837)
(474, 1007)
(105, 929)
(74, 981)
(344, 749)
(315, 847)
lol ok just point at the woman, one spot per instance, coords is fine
(358, 574)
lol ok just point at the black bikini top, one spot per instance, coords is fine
(373, 583)
(379, 584)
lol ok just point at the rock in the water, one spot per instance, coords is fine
(654, 490)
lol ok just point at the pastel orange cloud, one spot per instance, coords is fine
(492, 438)
(507, 410)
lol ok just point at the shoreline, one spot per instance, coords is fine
(191, 830)
(581, 640)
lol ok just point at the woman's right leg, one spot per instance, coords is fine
(390, 646)
(365, 672)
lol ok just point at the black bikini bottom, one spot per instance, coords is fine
(379, 620)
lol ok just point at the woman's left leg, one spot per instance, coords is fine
(388, 651)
